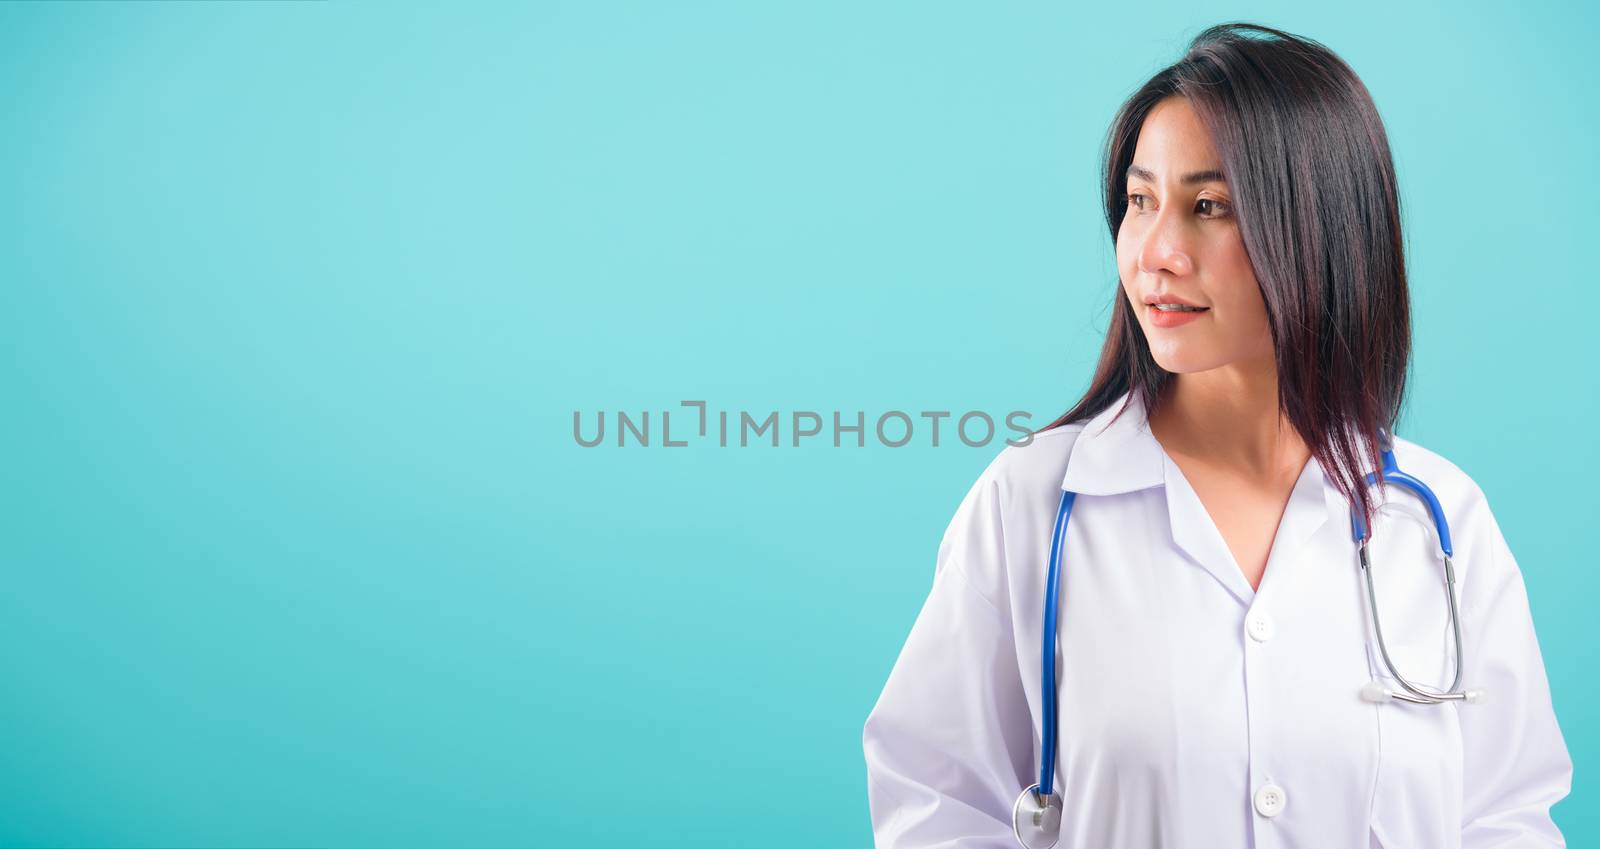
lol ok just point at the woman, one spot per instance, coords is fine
(1218, 676)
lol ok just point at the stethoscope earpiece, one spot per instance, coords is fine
(1375, 692)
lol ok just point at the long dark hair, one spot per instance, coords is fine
(1313, 185)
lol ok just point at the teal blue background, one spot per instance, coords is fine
(298, 300)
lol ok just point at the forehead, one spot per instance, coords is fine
(1172, 140)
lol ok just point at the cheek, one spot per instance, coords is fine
(1244, 297)
(1127, 261)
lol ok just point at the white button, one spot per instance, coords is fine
(1270, 800)
(1259, 625)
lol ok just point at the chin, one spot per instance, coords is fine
(1183, 359)
(1183, 367)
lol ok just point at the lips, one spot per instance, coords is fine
(1172, 303)
(1172, 311)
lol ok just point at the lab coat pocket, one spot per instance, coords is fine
(1417, 791)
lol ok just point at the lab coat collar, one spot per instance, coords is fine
(1312, 503)
(1116, 452)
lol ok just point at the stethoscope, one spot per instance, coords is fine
(1036, 816)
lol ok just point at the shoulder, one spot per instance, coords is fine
(1020, 486)
(1484, 562)
(1026, 474)
(1457, 491)
(1025, 470)
(1006, 513)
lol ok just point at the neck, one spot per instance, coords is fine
(1229, 417)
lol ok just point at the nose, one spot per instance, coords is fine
(1164, 245)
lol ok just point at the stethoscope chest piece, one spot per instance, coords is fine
(1037, 819)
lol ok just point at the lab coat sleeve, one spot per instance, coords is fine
(949, 743)
(1515, 762)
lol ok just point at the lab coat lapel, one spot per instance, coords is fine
(1195, 531)
(1308, 512)
(1116, 453)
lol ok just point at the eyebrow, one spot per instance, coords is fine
(1187, 179)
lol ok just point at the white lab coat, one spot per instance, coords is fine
(1183, 692)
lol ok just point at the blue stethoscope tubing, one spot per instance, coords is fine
(1410, 692)
(1373, 692)
(1051, 611)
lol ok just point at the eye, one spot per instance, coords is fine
(1134, 201)
(1221, 208)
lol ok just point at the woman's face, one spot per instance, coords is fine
(1179, 241)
